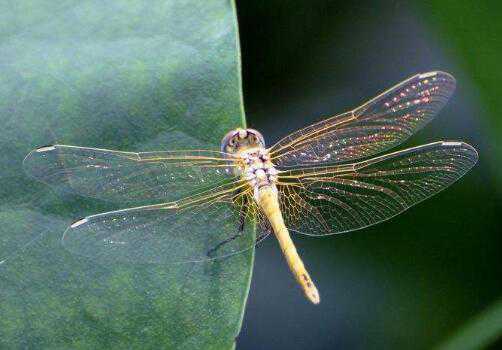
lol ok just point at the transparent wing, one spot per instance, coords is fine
(336, 199)
(128, 177)
(379, 124)
(199, 228)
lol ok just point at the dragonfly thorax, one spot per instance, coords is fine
(257, 169)
(248, 147)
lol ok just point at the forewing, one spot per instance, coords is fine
(381, 123)
(197, 229)
(336, 199)
(128, 177)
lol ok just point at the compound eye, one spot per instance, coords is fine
(231, 142)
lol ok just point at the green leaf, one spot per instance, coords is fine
(133, 76)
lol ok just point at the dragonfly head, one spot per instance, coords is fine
(239, 140)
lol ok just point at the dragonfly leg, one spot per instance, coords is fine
(213, 250)
(240, 230)
(242, 220)
(243, 212)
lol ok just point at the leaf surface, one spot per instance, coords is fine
(132, 76)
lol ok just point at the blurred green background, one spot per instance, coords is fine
(415, 281)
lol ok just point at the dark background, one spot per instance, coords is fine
(414, 281)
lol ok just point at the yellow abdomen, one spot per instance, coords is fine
(269, 203)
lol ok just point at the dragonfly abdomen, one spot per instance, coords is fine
(269, 202)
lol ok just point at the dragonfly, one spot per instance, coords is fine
(324, 179)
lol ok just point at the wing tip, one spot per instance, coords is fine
(434, 74)
(34, 156)
(458, 144)
(79, 222)
(453, 143)
(428, 74)
(45, 148)
(465, 146)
